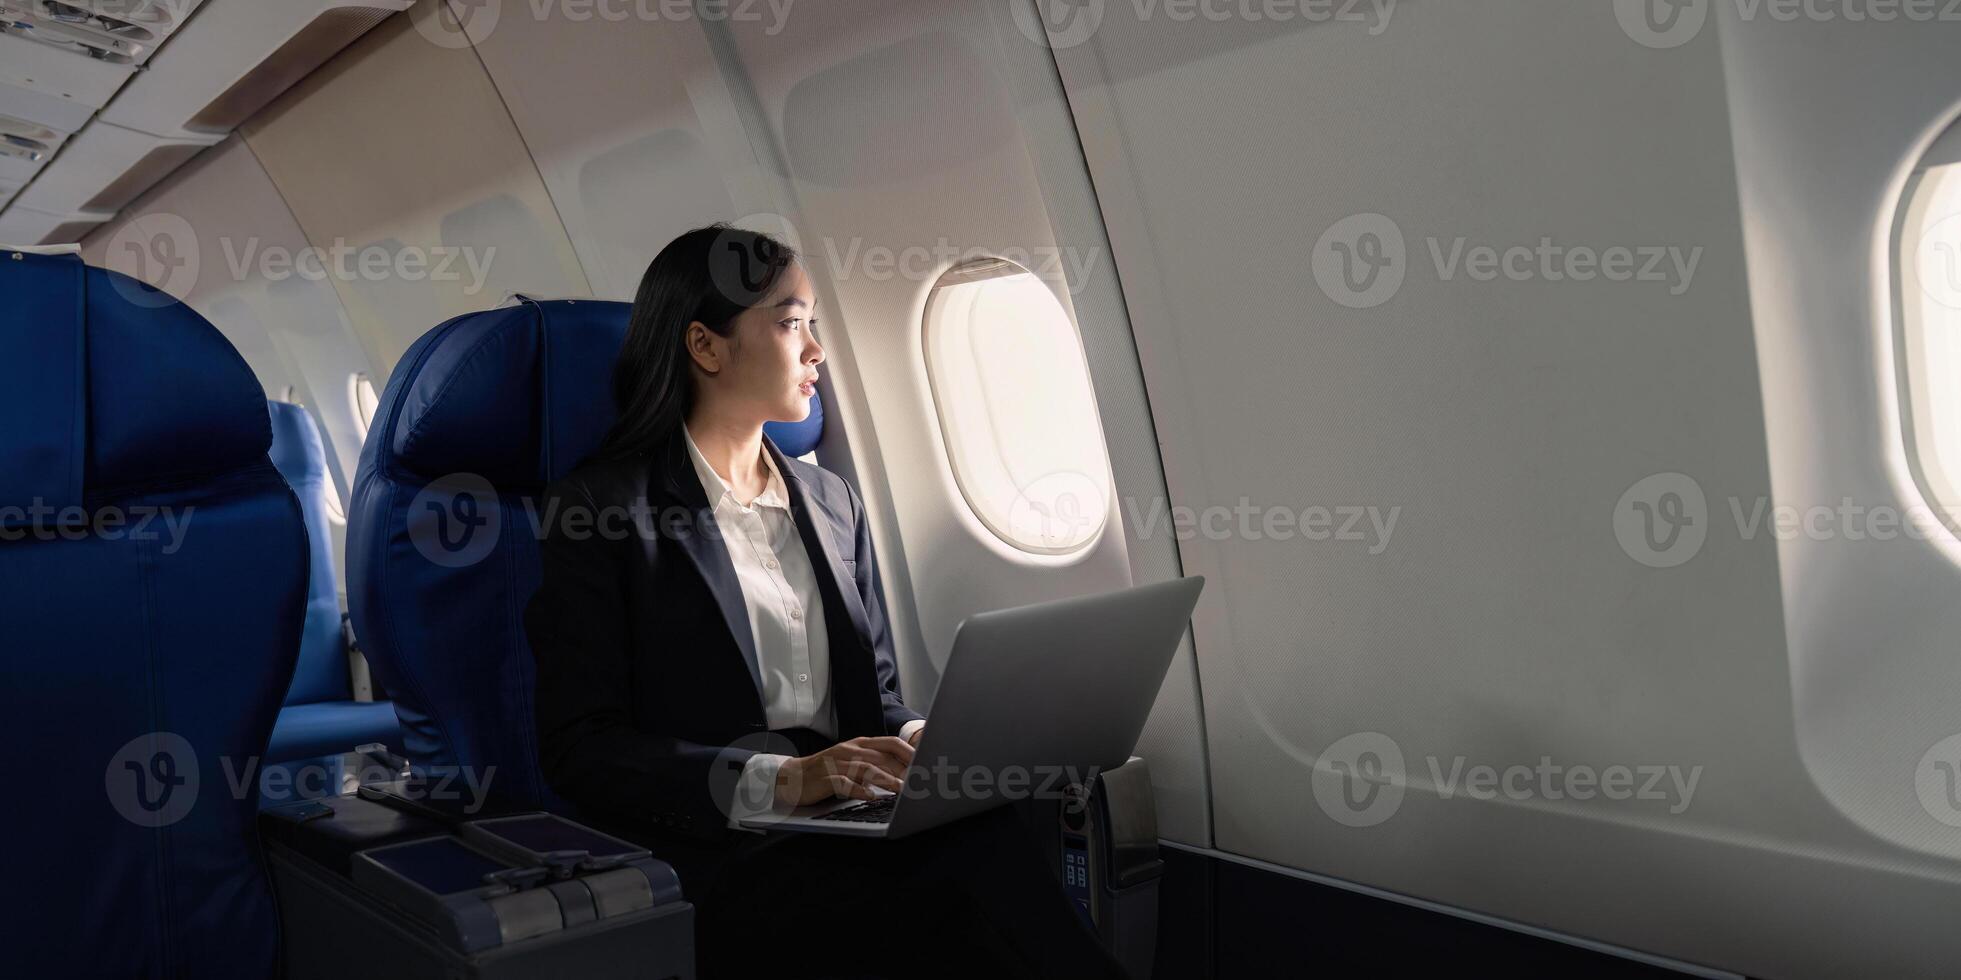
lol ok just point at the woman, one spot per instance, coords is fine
(711, 641)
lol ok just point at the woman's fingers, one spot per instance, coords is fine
(844, 788)
(885, 761)
(872, 775)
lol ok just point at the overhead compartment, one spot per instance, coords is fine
(26, 226)
(61, 60)
(105, 167)
(242, 55)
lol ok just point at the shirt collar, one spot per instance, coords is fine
(774, 493)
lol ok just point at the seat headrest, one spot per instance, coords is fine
(297, 451)
(517, 395)
(111, 386)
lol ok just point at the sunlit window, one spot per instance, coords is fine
(1928, 259)
(1016, 407)
(361, 395)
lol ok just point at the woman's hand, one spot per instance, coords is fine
(848, 770)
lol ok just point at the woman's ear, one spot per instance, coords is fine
(700, 342)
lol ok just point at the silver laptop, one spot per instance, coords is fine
(1033, 698)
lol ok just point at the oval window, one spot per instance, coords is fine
(1927, 260)
(361, 395)
(1016, 407)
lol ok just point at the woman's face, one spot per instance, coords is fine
(766, 369)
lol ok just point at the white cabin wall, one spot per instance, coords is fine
(401, 148)
(1503, 623)
(1830, 117)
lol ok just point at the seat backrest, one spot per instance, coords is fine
(153, 569)
(442, 556)
(301, 457)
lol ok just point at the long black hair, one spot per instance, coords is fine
(709, 274)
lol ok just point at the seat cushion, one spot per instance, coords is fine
(330, 727)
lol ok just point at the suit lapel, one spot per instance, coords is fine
(702, 540)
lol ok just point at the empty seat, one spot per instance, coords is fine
(321, 719)
(153, 567)
(479, 415)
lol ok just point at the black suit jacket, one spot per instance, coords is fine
(649, 691)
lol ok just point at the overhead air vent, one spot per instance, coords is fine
(243, 54)
(25, 147)
(135, 22)
(70, 29)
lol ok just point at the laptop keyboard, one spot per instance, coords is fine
(870, 811)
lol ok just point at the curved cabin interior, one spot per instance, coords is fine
(1560, 401)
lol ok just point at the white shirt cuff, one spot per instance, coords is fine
(755, 789)
(906, 730)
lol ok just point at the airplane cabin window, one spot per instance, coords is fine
(1927, 255)
(1016, 407)
(361, 395)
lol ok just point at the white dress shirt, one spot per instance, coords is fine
(786, 615)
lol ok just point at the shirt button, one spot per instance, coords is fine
(805, 678)
(770, 564)
(796, 614)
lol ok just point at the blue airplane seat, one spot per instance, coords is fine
(479, 415)
(153, 568)
(321, 719)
